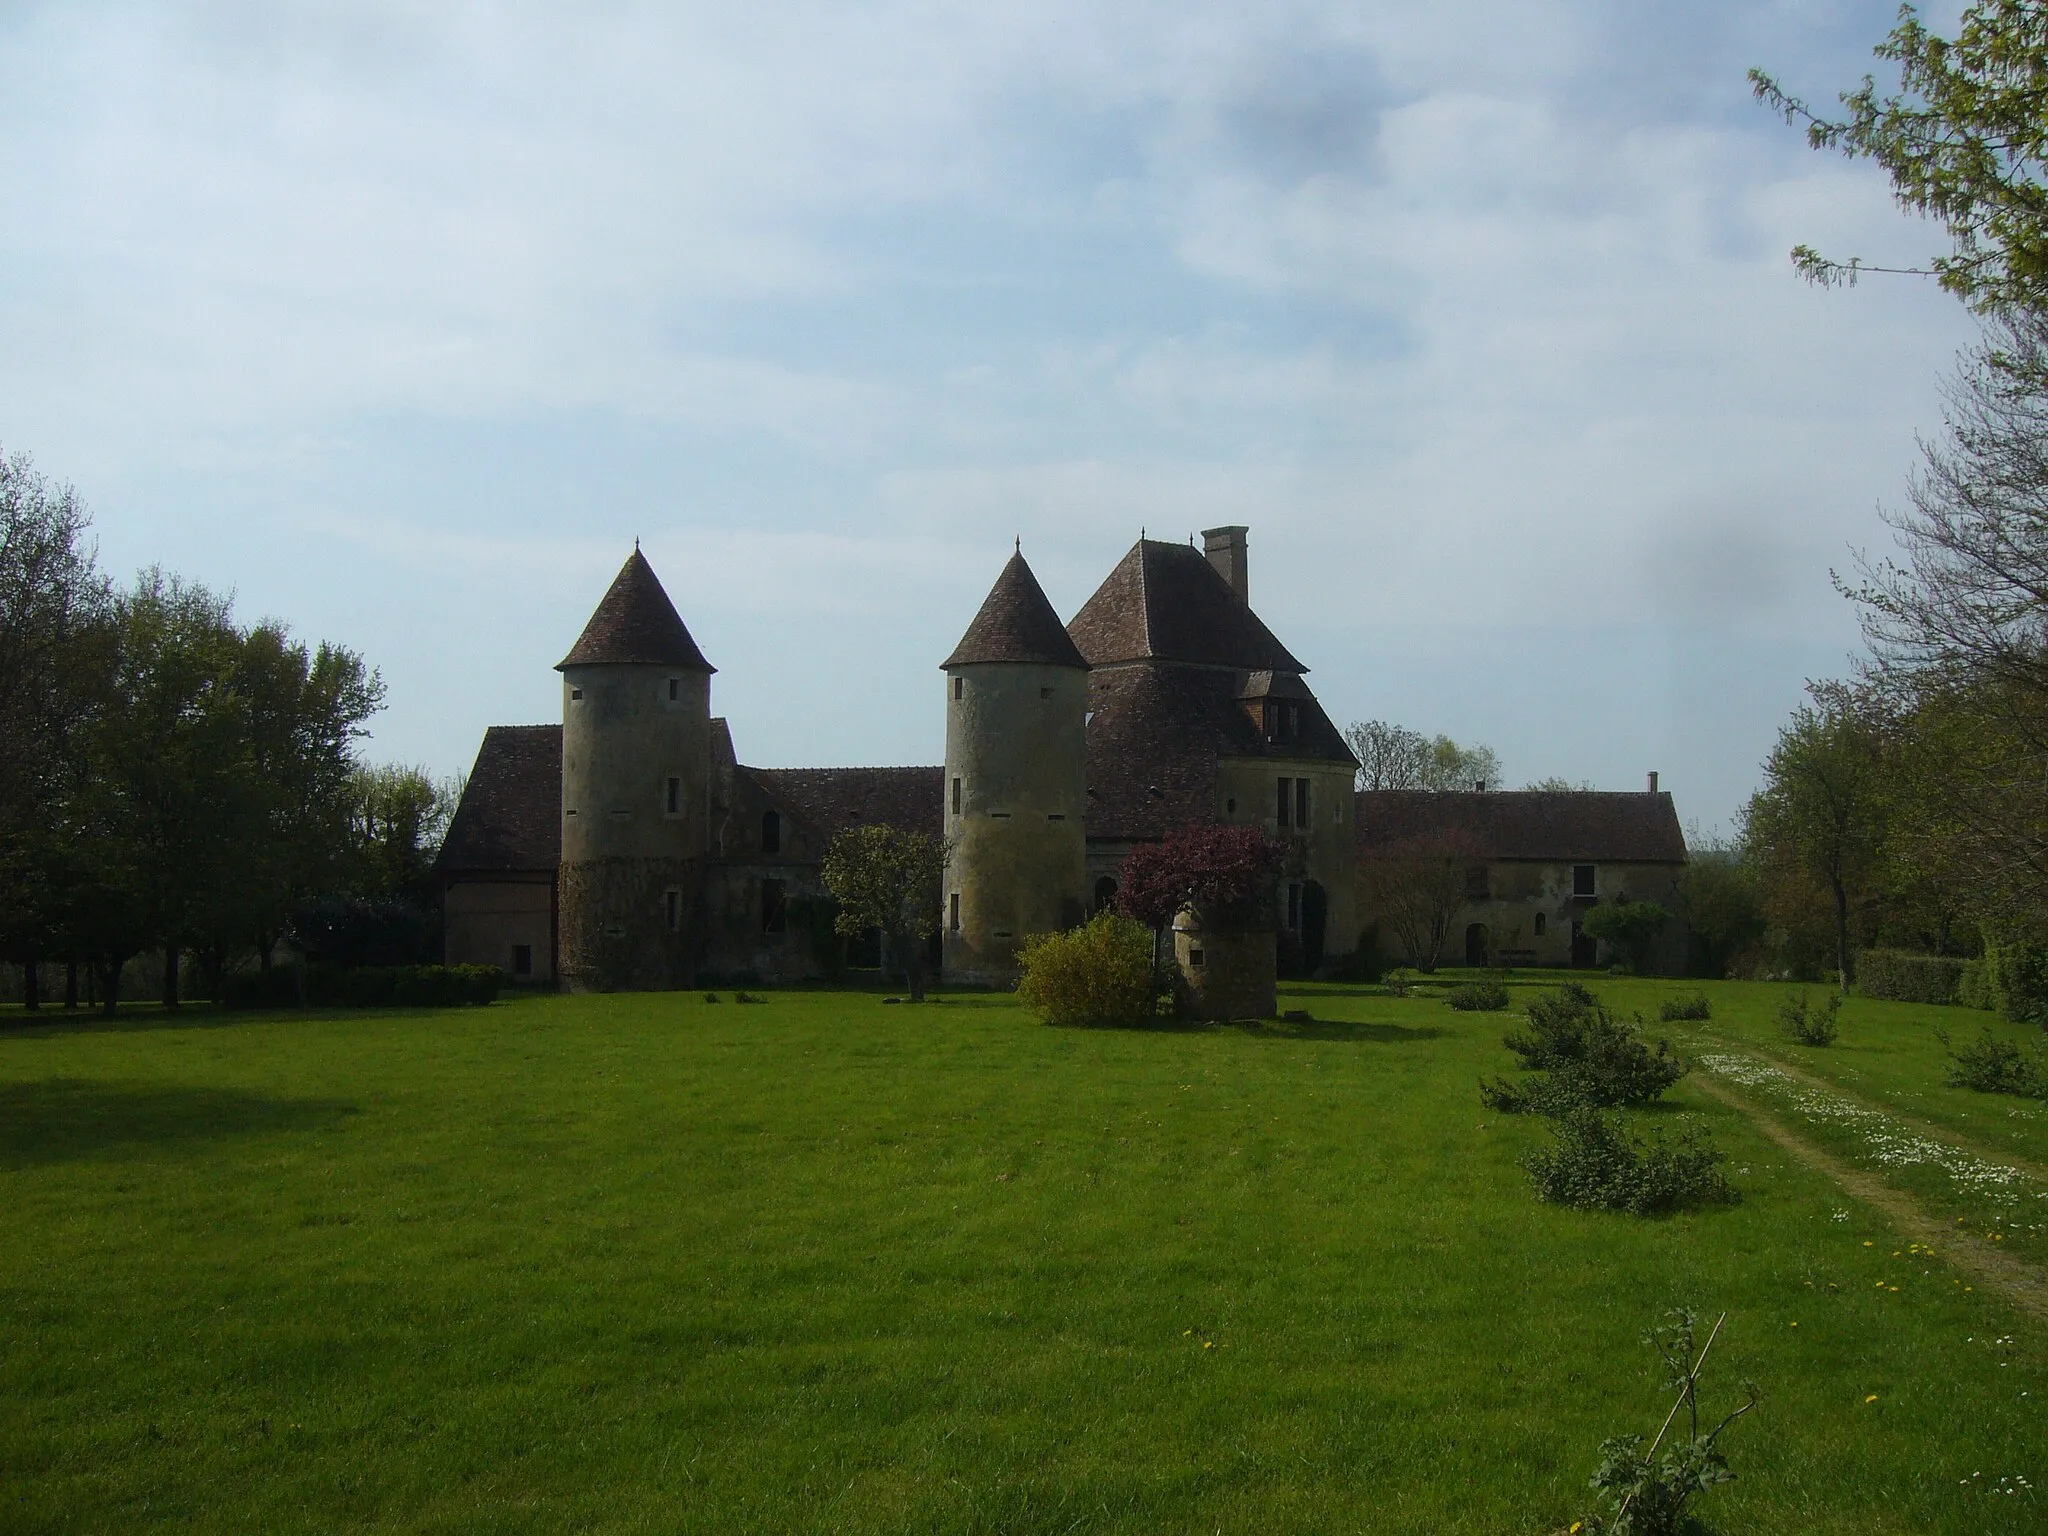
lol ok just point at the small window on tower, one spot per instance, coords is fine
(1045, 693)
(959, 687)
(675, 796)
(675, 689)
(771, 832)
(953, 912)
(575, 693)
(672, 908)
(956, 797)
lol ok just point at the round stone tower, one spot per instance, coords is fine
(636, 769)
(1016, 780)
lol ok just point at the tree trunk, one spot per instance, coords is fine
(110, 983)
(70, 984)
(31, 984)
(171, 953)
(1841, 933)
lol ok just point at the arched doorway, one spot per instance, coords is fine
(1475, 944)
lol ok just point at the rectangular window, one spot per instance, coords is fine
(774, 907)
(675, 685)
(956, 797)
(1195, 957)
(675, 796)
(522, 959)
(1477, 887)
(672, 909)
(959, 686)
(953, 912)
(1539, 925)
(1055, 815)
(1286, 800)
(575, 693)
(1301, 804)
(1582, 880)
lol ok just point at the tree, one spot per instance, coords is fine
(1821, 813)
(1630, 926)
(1224, 875)
(1964, 140)
(1417, 887)
(1394, 757)
(53, 645)
(1723, 905)
(886, 878)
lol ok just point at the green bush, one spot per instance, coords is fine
(395, 986)
(1908, 978)
(2019, 979)
(1581, 1055)
(1478, 997)
(1994, 1065)
(1594, 1164)
(1099, 973)
(1975, 986)
(1688, 1009)
(1631, 927)
(1805, 1024)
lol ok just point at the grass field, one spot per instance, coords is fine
(825, 1264)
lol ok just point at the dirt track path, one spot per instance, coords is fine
(2024, 1285)
(1794, 1070)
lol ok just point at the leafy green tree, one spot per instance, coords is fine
(1964, 140)
(1723, 907)
(1630, 926)
(887, 878)
(1822, 812)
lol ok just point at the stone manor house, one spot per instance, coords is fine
(629, 848)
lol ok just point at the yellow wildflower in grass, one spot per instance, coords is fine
(1871, 1399)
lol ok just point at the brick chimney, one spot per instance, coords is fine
(1653, 781)
(1225, 549)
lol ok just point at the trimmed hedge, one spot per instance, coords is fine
(392, 986)
(1908, 978)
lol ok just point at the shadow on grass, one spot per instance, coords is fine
(19, 1024)
(63, 1119)
(1277, 1030)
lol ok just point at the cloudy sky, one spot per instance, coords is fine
(402, 322)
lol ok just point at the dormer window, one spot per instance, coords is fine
(771, 832)
(1282, 719)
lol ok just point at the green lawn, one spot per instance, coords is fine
(649, 1264)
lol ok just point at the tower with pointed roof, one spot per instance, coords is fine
(1016, 780)
(636, 769)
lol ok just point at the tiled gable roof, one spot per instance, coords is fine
(1591, 826)
(831, 799)
(1154, 736)
(510, 815)
(1166, 602)
(635, 622)
(1016, 624)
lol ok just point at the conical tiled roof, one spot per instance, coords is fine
(636, 623)
(1166, 602)
(1016, 623)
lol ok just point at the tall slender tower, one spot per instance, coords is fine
(636, 769)
(1016, 780)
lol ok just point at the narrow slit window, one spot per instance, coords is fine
(959, 687)
(675, 795)
(672, 909)
(953, 912)
(956, 797)
(675, 689)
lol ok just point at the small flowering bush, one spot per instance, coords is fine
(1100, 973)
(1808, 1024)
(1992, 1065)
(1688, 1009)
(1594, 1164)
(1478, 997)
(1581, 1055)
